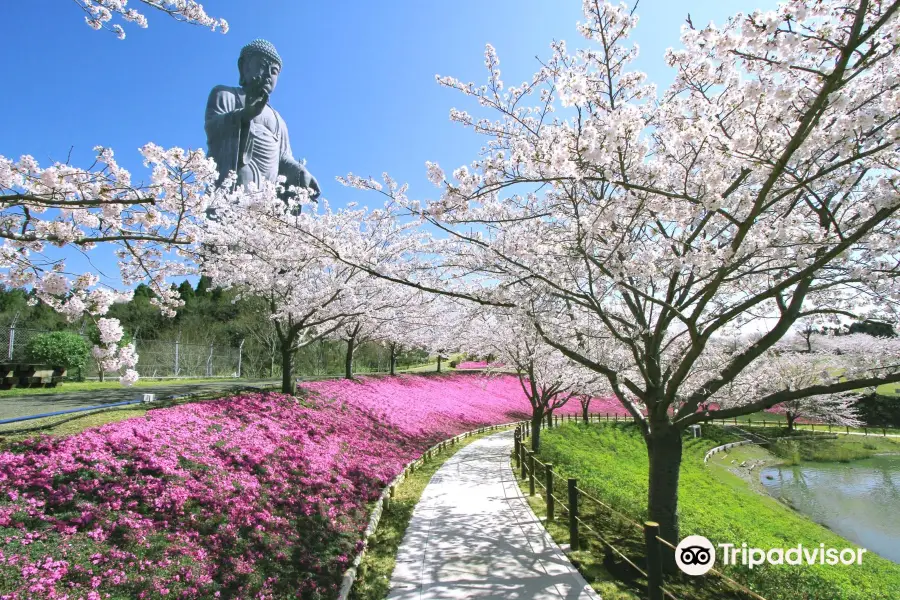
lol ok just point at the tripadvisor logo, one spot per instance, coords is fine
(695, 555)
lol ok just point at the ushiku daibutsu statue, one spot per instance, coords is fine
(246, 135)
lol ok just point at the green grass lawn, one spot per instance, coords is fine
(63, 425)
(70, 424)
(610, 462)
(889, 389)
(91, 386)
(776, 420)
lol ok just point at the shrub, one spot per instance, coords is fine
(453, 364)
(60, 349)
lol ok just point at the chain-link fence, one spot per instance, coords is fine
(165, 358)
(172, 358)
(156, 358)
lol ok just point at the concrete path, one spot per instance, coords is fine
(473, 535)
(35, 404)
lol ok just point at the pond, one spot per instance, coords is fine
(859, 500)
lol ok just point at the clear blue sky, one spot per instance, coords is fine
(357, 90)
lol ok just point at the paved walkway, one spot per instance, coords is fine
(473, 535)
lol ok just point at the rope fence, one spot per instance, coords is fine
(650, 565)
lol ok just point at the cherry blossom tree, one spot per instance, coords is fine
(253, 244)
(758, 189)
(152, 227)
(804, 362)
(390, 316)
(548, 379)
(99, 14)
(821, 360)
(414, 320)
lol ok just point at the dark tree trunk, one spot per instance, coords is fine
(439, 363)
(393, 358)
(287, 368)
(585, 407)
(549, 419)
(535, 431)
(664, 451)
(348, 360)
(790, 420)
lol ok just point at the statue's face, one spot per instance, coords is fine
(259, 73)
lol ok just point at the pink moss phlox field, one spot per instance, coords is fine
(254, 496)
(436, 407)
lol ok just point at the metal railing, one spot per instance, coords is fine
(583, 512)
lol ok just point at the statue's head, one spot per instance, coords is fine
(259, 65)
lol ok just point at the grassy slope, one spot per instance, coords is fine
(111, 384)
(64, 425)
(611, 461)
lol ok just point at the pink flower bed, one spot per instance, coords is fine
(437, 407)
(255, 496)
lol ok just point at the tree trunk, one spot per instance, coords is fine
(790, 421)
(287, 369)
(272, 361)
(550, 419)
(584, 411)
(664, 451)
(348, 360)
(439, 363)
(393, 358)
(535, 431)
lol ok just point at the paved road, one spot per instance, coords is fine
(21, 406)
(473, 535)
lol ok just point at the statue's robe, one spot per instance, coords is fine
(260, 154)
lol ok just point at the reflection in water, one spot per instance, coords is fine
(858, 500)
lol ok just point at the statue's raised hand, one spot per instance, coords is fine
(254, 106)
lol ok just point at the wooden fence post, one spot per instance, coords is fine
(531, 473)
(523, 465)
(573, 514)
(654, 561)
(548, 481)
(516, 438)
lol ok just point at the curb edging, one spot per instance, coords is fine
(718, 449)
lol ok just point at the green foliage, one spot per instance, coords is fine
(878, 410)
(823, 449)
(610, 461)
(211, 316)
(60, 349)
(876, 328)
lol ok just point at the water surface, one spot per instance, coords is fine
(859, 500)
